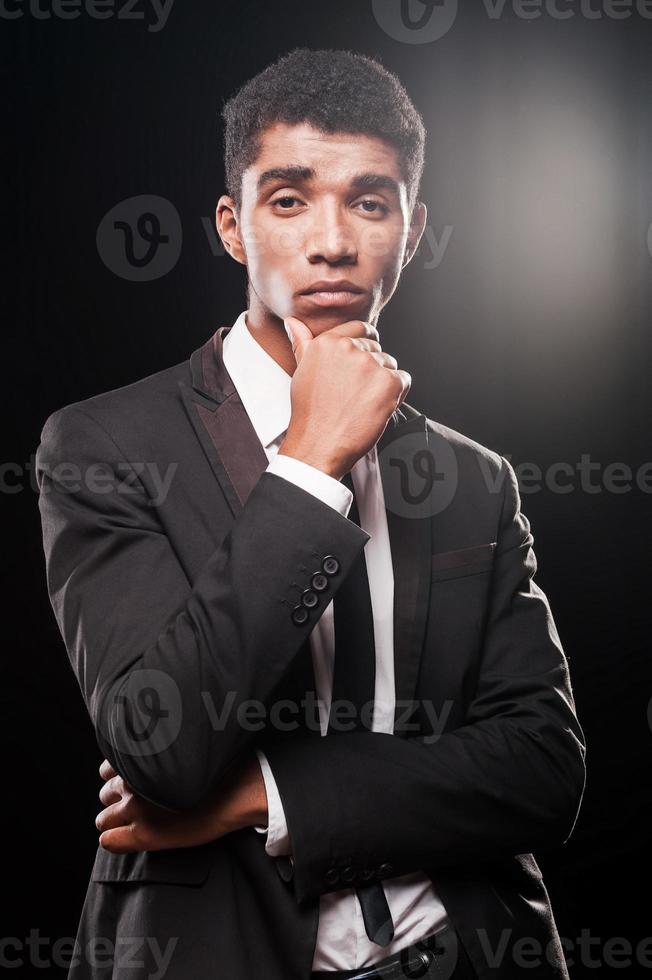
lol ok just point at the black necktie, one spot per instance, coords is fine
(354, 676)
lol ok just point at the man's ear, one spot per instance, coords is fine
(227, 222)
(415, 231)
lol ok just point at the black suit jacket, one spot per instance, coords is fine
(175, 603)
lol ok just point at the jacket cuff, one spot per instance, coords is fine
(314, 481)
(278, 839)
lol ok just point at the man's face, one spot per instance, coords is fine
(319, 206)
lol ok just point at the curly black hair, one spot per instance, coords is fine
(332, 90)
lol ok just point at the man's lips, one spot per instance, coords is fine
(339, 292)
(330, 298)
(333, 285)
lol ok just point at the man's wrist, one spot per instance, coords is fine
(241, 803)
(332, 467)
(253, 808)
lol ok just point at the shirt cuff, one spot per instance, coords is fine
(314, 481)
(278, 839)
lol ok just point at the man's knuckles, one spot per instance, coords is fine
(115, 789)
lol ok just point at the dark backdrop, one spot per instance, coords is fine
(524, 321)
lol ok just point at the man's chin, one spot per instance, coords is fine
(325, 320)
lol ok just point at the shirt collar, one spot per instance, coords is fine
(261, 383)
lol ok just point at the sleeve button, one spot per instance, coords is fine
(349, 874)
(309, 598)
(332, 876)
(330, 565)
(319, 582)
(299, 615)
(384, 870)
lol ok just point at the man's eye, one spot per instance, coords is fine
(287, 202)
(380, 208)
(285, 198)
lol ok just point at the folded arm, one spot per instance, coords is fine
(150, 648)
(509, 781)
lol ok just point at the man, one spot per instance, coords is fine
(320, 548)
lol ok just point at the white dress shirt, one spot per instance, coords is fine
(417, 911)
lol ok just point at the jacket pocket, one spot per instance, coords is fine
(463, 561)
(179, 866)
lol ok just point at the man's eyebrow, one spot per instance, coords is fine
(291, 174)
(296, 174)
(376, 182)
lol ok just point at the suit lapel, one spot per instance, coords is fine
(238, 460)
(222, 424)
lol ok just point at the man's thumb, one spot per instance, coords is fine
(298, 333)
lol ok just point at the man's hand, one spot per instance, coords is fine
(130, 823)
(343, 392)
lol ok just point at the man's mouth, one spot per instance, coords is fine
(340, 292)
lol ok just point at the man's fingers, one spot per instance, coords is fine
(112, 791)
(106, 770)
(119, 841)
(406, 380)
(299, 334)
(385, 359)
(366, 343)
(356, 328)
(112, 816)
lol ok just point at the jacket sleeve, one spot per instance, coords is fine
(335, 494)
(165, 664)
(509, 781)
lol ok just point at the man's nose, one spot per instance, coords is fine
(330, 241)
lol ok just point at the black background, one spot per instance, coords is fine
(531, 335)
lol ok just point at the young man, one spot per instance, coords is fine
(306, 560)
